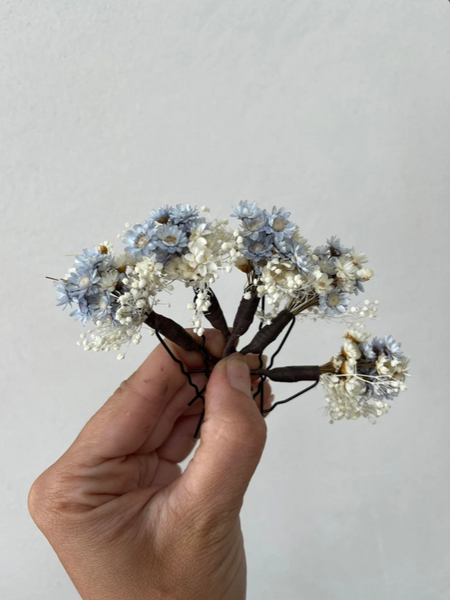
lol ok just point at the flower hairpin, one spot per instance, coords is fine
(286, 280)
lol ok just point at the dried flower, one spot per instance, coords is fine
(364, 376)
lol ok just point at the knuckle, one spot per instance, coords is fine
(49, 499)
(131, 387)
(126, 389)
(39, 499)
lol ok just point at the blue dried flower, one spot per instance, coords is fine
(359, 287)
(93, 258)
(83, 280)
(171, 239)
(254, 220)
(255, 226)
(327, 266)
(301, 259)
(322, 251)
(162, 215)
(184, 214)
(102, 307)
(285, 247)
(244, 210)
(296, 253)
(257, 247)
(334, 303)
(368, 350)
(84, 311)
(387, 345)
(140, 240)
(63, 295)
(278, 223)
(335, 247)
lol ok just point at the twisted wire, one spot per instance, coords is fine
(310, 387)
(207, 373)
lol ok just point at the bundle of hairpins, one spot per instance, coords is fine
(286, 280)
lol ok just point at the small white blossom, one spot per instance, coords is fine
(351, 350)
(323, 284)
(109, 279)
(345, 268)
(364, 274)
(358, 258)
(357, 335)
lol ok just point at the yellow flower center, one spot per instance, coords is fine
(279, 224)
(141, 241)
(84, 282)
(333, 300)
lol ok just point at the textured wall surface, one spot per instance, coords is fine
(338, 111)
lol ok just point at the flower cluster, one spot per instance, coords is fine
(285, 269)
(164, 234)
(117, 292)
(190, 249)
(264, 235)
(177, 244)
(364, 375)
(340, 272)
(91, 283)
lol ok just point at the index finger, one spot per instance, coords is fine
(126, 420)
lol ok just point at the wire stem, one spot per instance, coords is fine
(310, 387)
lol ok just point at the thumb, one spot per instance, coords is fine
(233, 435)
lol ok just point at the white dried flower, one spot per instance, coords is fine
(323, 284)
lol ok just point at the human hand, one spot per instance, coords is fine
(124, 521)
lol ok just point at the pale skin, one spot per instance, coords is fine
(123, 520)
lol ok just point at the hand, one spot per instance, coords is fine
(124, 521)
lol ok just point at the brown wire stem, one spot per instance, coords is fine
(215, 315)
(290, 374)
(280, 374)
(176, 334)
(242, 320)
(269, 333)
(266, 334)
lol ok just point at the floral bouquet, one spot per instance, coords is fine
(286, 280)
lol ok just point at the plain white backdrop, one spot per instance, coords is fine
(338, 111)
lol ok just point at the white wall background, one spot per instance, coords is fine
(338, 111)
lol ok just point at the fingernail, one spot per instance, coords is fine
(238, 373)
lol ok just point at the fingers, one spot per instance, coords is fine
(144, 401)
(232, 440)
(181, 441)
